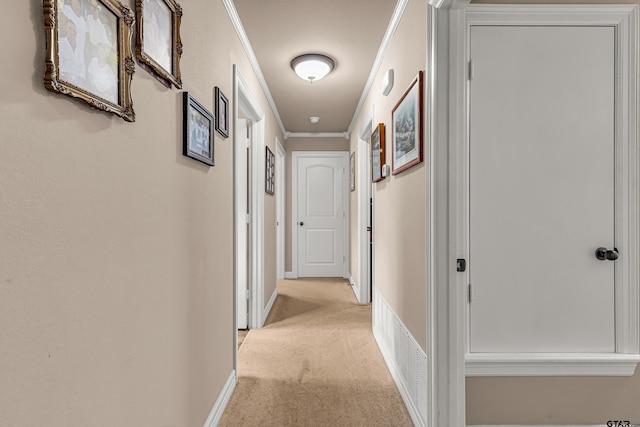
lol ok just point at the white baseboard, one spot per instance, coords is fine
(354, 287)
(223, 400)
(406, 361)
(267, 309)
(290, 275)
(537, 425)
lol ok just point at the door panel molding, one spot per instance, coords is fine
(624, 19)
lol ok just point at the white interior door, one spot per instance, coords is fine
(541, 185)
(242, 154)
(321, 215)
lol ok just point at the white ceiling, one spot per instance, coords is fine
(348, 31)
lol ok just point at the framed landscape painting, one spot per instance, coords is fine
(407, 128)
(377, 153)
(89, 54)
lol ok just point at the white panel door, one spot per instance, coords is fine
(320, 221)
(541, 185)
(242, 159)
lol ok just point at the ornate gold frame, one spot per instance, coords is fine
(166, 77)
(126, 64)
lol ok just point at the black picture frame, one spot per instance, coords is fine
(222, 113)
(270, 172)
(198, 131)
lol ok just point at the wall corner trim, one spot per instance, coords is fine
(269, 306)
(223, 400)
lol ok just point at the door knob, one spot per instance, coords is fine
(604, 254)
(301, 223)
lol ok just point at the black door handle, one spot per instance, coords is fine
(603, 254)
(301, 223)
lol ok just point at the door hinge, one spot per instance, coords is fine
(469, 292)
(471, 70)
(248, 294)
(248, 219)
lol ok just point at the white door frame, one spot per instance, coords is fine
(281, 200)
(245, 101)
(295, 155)
(363, 183)
(447, 50)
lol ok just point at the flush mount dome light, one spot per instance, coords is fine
(312, 66)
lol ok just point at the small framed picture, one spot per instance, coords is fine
(222, 113)
(352, 168)
(158, 43)
(377, 153)
(198, 130)
(89, 54)
(406, 120)
(270, 172)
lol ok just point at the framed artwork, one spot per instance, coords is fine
(270, 172)
(222, 113)
(198, 130)
(377, 153)
(352, 168)
(159, 46)
(89, 54)
(407, 128)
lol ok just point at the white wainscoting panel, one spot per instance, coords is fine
(404, 357)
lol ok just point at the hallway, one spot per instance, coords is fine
(315, 363)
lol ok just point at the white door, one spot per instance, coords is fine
(541, 185)
(242, 154)
(321, 215)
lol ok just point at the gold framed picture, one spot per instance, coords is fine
(158, 43)
(89, 53)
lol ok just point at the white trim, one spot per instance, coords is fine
(222, 401)
(245, 101)
(295, 156)
(386, 40)
(445, 329)
(625, 20)
(290, 275)
(344, 135)
(363, 183)
(403, 357)
(246, 44)
(551, 364)
(281, 207)
(269, 305)
(536, 425)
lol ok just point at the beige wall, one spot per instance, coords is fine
(116, 268)
(400, 200)
(303, 144)
(553, 400)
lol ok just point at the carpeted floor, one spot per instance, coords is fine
(315, 363)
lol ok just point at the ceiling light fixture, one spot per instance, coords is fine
(314, 119)
(312, 66)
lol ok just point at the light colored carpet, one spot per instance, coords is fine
(315, 363)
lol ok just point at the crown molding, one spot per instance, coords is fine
(388, 35)
(246, 44)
